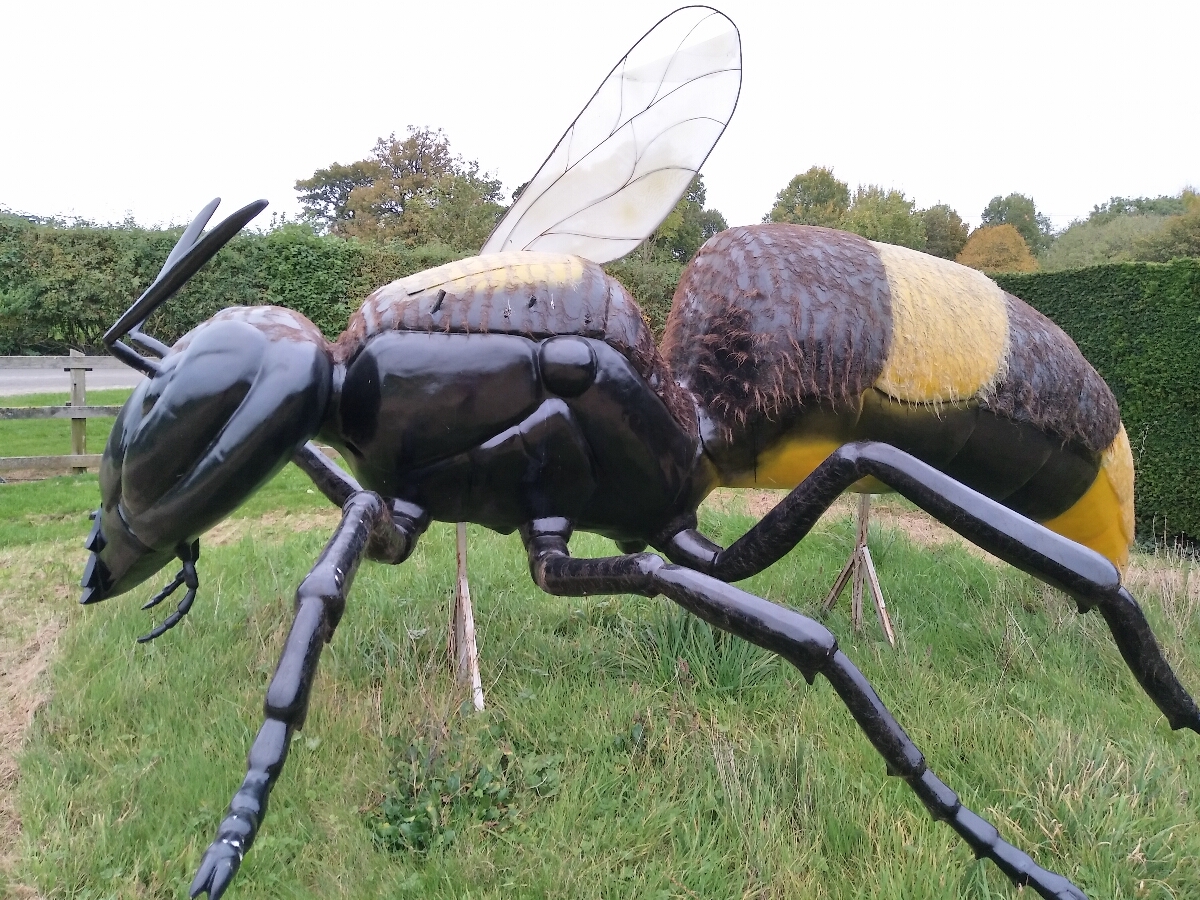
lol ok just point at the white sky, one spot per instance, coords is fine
(150, 109)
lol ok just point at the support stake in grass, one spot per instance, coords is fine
(862, 568)
(464, 653)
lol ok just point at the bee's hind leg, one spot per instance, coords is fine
(1088, 577)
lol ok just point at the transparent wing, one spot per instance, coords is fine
(630, 155)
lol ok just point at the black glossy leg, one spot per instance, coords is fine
(328, 477)
(409, 521)
(807, 645)
(320, 601)
(1087, 576)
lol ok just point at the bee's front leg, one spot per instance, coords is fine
(320, 601)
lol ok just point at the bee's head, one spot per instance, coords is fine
(228, 407)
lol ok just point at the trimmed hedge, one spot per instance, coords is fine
(64, 287)
(1138, 323)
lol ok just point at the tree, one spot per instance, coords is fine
(997, 248)
(1123, 230)
(887, 216)
(688, 225)
(1020, 212)
(1137, 206)
(413, 190)
(815, 197)
(1099, 240)
(325, 197)
(945, 231)
(1179, 235)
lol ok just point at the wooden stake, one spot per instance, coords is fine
(464, 654)
(840, 584)
(880, 606)
(860, 573)
(861, 567)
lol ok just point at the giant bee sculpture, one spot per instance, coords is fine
(521, 390)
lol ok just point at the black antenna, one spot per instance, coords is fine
(186, 257)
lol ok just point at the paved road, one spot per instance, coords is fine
(41, 381)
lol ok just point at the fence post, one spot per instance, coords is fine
(78, 400)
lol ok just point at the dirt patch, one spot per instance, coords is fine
(272, 526)
(757, 502)
(887, 511)
(23, 690)
(14, 476)
(924, 530)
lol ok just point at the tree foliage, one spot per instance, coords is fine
(1020, 212)
(945, 232)
(1117, 207)
(1099, 240)
(815, 197)
(1155, 229)
(1179, 236)
(413, 190)
(688, 226)
(885, 215)
(325, 197)
(997, 248)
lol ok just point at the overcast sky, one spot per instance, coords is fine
(120, 108)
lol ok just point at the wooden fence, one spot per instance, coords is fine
(77, 366)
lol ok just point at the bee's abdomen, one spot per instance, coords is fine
(765, 317)
(797, 339)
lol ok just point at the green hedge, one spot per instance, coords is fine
(1138, 324)
(63, 287)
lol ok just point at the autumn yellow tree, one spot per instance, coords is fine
(997, 248)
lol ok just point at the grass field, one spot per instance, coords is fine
(627, 751)
(52, 437)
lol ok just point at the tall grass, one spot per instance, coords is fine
(52, 437)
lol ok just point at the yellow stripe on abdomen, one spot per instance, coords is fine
(1103, 517)
(786, 464)
(791, 461)
(496, 270)
(949, 329)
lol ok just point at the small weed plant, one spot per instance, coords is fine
(449, 777)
